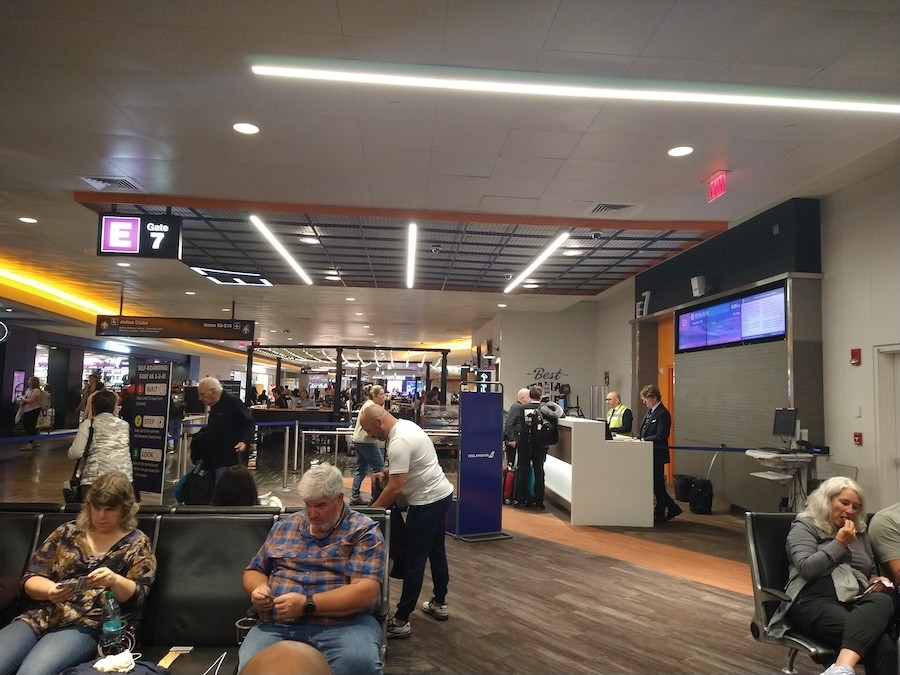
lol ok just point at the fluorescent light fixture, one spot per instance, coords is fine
(572, 252)
(190, 293)
(501, 305)
(261, 226)
(27, 220)
(680, 151)
(531, 285)
(332, 277)
(411, 255)
(537, 262)
(570, 86)
(246, 128)
(312, 241)
(123, 264)
(350, 299)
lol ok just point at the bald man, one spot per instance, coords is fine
(619, 418)
(413, 472)
(287, 658)
(513, 425)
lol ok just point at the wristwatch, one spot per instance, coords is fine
(310, 607)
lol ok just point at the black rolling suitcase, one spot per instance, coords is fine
(701, 500)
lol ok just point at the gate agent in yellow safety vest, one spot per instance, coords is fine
(618, 418)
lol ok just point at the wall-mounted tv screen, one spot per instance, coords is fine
(756, 316)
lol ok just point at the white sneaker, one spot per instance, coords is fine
(439, 612)
(835, 669)
(395, 630)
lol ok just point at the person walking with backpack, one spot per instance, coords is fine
(31, 409)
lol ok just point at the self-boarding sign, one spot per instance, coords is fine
(140, 236)
(170, 327)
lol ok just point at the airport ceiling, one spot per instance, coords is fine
(129, 106)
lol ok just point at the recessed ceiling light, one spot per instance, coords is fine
(349, 299)
(501, 304)
(312, 241)
(9, 309)
(273, 331)
(530, 285)
(123, 264)
(370, 334)
(358, 313)
(246, 128)
(226, 309)
(190, 293)
(680, 151)
(572, 252)
(26, 219)
(366, 326)
(332, 277)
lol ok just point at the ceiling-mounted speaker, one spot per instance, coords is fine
(698, 286)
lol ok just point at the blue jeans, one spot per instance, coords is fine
(351, 645)
(426, 527)
(368, 456)
(52, 652)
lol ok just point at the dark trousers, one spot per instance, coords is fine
(426, 527)
(859, 626)
(663, 500)
(29, 421)
(530, 459)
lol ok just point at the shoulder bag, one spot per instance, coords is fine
(72, 487)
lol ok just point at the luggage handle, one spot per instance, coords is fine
(713, 461)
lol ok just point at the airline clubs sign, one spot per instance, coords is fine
(168, 327)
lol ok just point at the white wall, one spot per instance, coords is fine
(615, 310)
(860, 295)
(549, 349)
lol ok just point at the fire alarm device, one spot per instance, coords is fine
(855, 356)
(857, 438)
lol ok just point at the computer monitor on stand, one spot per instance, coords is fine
(785, 426)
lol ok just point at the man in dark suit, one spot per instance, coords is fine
(656, 426)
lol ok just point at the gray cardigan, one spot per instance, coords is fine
(813, 554)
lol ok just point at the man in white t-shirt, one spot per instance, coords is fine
(414, 473)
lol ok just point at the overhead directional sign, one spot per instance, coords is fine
(482, 378)
(140, 236)
(168, 327)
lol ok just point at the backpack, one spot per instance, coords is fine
(542, 429)
(45, 400)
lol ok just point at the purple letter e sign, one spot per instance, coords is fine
(120, 234)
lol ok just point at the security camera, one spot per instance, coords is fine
(435, 249)
(596, 235)
(507, 276)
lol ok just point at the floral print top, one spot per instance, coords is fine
(66, 554)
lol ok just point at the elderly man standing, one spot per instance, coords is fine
(414, 472)
(229, 430)
(317, 579)
(513, 425)
(619, 417)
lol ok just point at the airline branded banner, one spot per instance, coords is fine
(169, 327)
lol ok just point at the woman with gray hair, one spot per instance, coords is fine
(835, 593)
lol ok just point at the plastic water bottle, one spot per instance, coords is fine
(111, 626)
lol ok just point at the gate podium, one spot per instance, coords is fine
(476, 512)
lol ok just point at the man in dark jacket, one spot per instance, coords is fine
(230, 428)
(655, 428)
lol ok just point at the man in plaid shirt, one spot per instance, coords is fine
(317, 579)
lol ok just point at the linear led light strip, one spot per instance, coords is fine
(537, 262)
(411, 255)
(546, 84)
(261, 226)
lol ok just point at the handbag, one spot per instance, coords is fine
(18, 414)
(72, 487)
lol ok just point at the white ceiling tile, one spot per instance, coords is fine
(492, 204)
(459, 164)
(610, 27)
(550, 144)
(519, 23)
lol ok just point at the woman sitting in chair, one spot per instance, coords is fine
(836, 595)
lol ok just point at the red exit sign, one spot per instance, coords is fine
(718, 185)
